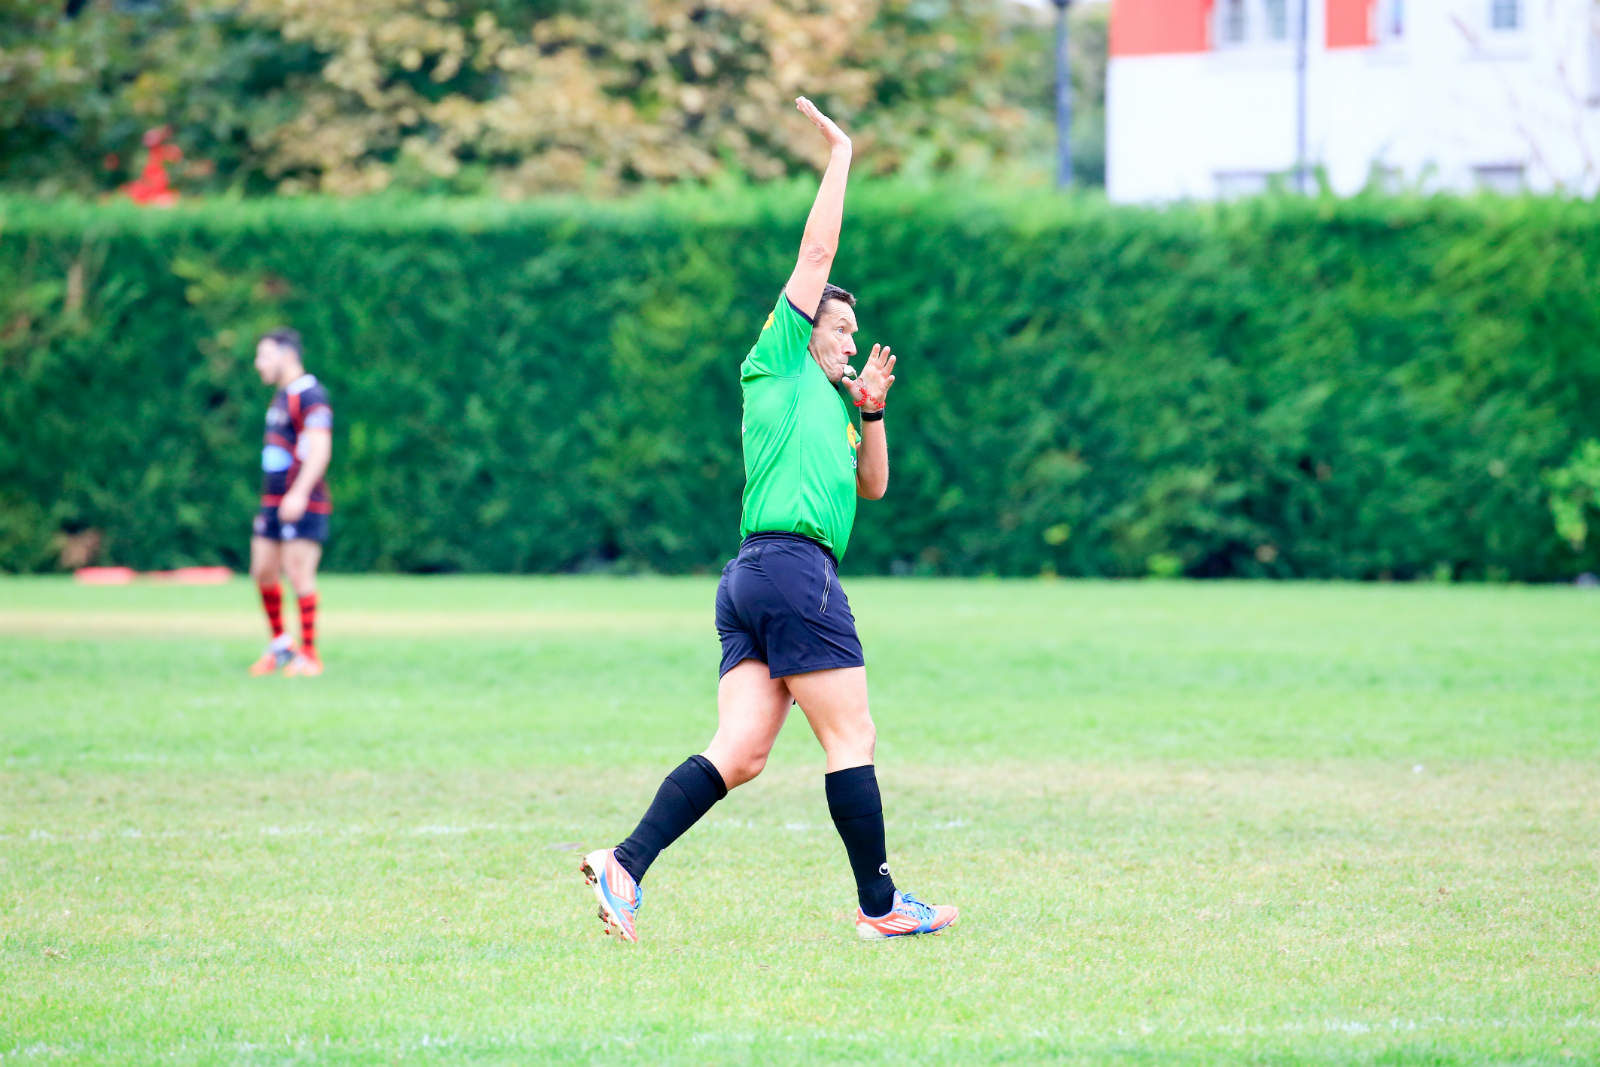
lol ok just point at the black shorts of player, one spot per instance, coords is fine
(780, 602)
(313, 526)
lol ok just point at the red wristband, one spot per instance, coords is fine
(866, 398)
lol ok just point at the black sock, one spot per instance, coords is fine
(688, 793)
(857, 811)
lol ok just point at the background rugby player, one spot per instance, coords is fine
(785, 623)
(292, 524)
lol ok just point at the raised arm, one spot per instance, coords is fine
(820, 243)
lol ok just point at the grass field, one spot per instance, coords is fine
(1185, 823)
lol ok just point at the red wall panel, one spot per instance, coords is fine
(1350, 24)
(1160, 27)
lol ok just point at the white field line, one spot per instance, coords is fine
(245, 621)
(306, 830)
(716, 825)
(134, 833)
(304, 1043)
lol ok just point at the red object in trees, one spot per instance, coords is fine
(1160, 27)
(153, 188)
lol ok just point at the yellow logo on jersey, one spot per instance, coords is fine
(853, 437)
(764, 325)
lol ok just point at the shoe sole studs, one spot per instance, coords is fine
(605, 920)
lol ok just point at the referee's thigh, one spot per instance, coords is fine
(751, 709)
(835, 704)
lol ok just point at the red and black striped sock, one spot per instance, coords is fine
(272, 604)
(308, 623)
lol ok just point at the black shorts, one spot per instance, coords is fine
(780, 602)
(313, 526)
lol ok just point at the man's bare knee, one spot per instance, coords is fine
(736, 763)
(853, 742)
(302, 569)
(302, 581)
(743, 770)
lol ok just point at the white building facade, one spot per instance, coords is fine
(1204, 96)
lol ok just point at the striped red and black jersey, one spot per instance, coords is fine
(302, 406)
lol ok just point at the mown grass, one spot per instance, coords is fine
(1185, 823)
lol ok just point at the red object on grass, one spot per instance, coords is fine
(104, 575)
(192, 576)
(127, 575)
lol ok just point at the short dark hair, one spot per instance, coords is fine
(833, 292)
(287, 337)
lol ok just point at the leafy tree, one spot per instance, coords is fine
(518, 96)
(77, 95)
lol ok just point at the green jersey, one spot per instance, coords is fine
(799, 442)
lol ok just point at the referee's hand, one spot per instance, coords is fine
(870, 389)
(835, 136)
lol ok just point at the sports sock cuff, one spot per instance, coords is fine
(684, 796)
(711, 773)
(853, 792)
(629, 864)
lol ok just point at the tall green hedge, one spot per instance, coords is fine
(1360, 389)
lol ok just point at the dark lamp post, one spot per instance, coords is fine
(1063, 98)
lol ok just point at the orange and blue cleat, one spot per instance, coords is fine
(305, 664)
(619, 895)
(908, 916)
(274, 659)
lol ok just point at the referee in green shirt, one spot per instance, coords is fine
(787, 633)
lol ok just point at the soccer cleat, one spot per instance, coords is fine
(908, 916)
(619, 895)
(303, 665)
(272, 660)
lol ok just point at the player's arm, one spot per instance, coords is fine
(315, 446)
(871, 392)
(820, 242)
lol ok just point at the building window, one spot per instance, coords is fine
(1507, 178)
(1391, 20)
(1277, 20)
(1233, 22)
(1247, 22)
(1505, 14)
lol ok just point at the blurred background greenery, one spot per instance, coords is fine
(1286, 387)
(521, 97)
(1376, 387)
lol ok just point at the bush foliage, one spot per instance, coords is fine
(1363, 389)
